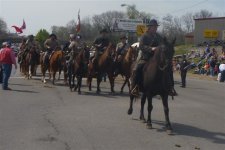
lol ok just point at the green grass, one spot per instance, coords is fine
(182, 49)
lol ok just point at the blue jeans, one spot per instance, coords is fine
(212, 71)
(7, 68)
(222, 79)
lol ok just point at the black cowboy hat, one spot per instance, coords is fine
(153, 22)
(123, 37)
(103, 31)
(52, 35)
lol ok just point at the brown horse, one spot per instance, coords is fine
(30, 63)
(104, 65)
(56, 63)
(78, 68)
(155, 82)
(126, 66)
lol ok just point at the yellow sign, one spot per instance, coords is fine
(141, 29)
(211, 33)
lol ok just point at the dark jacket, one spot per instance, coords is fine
(147, 42)
(102, 41)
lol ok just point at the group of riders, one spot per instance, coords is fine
(149, 43)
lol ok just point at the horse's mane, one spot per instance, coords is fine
(128, 54)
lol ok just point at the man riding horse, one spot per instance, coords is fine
(30, 44)
(121, 48)
(148, 44)
(101, 43)
(51, 44)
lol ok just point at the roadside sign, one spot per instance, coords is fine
(128, 25)
(141, 29)
(211, 33)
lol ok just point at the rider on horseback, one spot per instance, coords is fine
(29, 45)
(75, 46)
(121, 48)
(101, 43)
(51, 44)
(148, 44)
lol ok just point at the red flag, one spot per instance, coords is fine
(19, 30)
(23, 26)
(78, 22)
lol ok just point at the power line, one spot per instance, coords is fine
(194, 5)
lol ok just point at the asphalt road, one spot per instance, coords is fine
(37, 116)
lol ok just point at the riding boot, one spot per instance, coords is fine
(117, 68)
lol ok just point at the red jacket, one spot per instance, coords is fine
(7, 56)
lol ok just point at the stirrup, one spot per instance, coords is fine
(135, 91)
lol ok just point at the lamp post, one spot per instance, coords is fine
(134, 14)
(137, 13)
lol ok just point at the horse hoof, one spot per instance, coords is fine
(149, 126)
(130, 111)
(169, 132)
(142, 119)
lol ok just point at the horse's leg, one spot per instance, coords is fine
(79, 82)
(111, 80)
(150, 107)
(166, 112)
(53, 77)
(143, 100)
(126, 80)
(59, 73)
(130, 110)
(89, 81)
(99, 79)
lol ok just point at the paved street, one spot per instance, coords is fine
(37, 116)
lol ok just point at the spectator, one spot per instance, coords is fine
(7, 58)
(212, 64)
(222, 71)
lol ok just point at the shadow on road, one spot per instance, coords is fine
(187, 130)
(24, 91)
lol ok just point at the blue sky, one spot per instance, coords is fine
(46, 13)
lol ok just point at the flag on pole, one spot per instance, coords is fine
(78, 23)
(19, 30)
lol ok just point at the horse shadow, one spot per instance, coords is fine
(188, 130)
(24, 91)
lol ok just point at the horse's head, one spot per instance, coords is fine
(165, 53)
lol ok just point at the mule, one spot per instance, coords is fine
(155, 82)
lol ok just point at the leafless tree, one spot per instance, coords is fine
(203, 14)
(188, 22)
(105, 20)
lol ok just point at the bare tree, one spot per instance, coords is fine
(188, 22)
(61, 32)
(105, 20)
(203, 14)
(172, 27)
(3, 27)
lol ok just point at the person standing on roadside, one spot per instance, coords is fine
(7, 58)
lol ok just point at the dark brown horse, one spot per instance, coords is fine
(104, 65)
(78, 68)
(155, 81)
(30, 63)
(126, 66)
